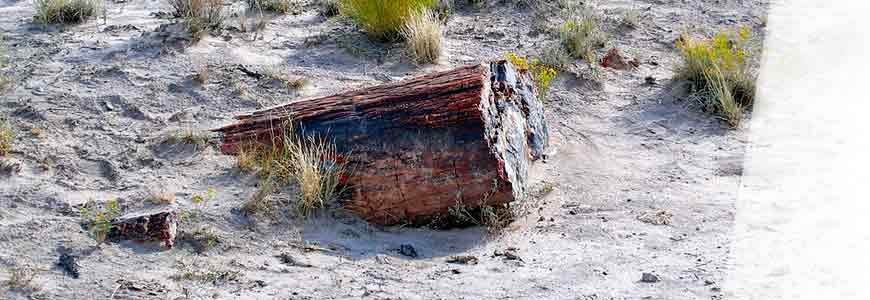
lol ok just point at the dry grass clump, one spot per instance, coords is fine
(64, 11)
(422, 34)
(278, 6)
(312, 163)
(330, 7)
(260, 204)
(188, 137)
(495, 218)
(201, 76)
(720, 71)
(382, 19)
(582, 36)
(317, 168)
(6, 138)
(201, 15)
(4, 82)
(161, 197)
(631, 18)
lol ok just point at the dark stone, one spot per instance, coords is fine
(68, 264)
(408, 250)
(649, 278)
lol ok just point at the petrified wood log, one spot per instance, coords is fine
(420, 146)
(153, 225)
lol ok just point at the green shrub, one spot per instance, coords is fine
(64, 11)
(582, 36)
(382, 19)
(720, 69)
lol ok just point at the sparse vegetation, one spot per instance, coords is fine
(555, 58)
(278, 6)
(202, 240)
(7, 137)
(631, 18)
(720, 71)
(201, 76)
(317, 168)
(207, 274)
(330, 7)
(161, 197)
(286, 80)
(98, 218)
(200, 15)
(422, 34)
(22, 278)
(382, 19)
(4, 81)
(188, 137)
(312, 163)
(582, 36)
(494, 218)
(260, 203)
(541, 73)
(64, 11)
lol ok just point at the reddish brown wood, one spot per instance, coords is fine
(152, 225)
(422, 145)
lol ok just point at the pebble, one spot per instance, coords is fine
(649, 278)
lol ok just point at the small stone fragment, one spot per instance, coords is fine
(408, 250)
(649, 278)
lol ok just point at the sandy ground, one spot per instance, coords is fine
(104, 96)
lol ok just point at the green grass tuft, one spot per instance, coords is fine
(382, 19)
(582, 36)
(720, 70)
(64, 11)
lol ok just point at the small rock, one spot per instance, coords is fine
(649, 80)
(615, 60)
(288, 259)
(649, 278)
(408, 250)
(68, 263)
(9, 167)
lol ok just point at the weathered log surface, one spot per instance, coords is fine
(152, 225)
(422, 145)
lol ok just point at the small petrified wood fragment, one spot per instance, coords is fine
(420, 146)
(153, 225)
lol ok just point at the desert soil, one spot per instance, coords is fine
(643, 180)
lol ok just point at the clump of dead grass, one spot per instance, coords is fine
(422, 34)
(202, 75)
(278, 6)
(382, 19)
(720, 71)
(330, 7)
(7, 137)
(200, 15)
(64, 11)
(631, 18)
(310, 162)
(160, 196)
(317, 168)
(188, 137)
(582, 36)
